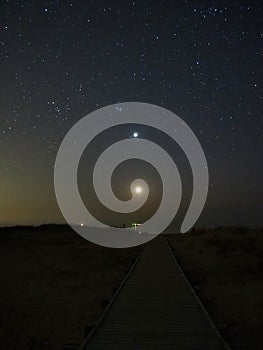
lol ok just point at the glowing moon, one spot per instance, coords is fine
(138, 190)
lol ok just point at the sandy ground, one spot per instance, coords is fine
(225, 267)
(54, 285)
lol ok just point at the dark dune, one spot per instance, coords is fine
(54, 285)
(225, 266)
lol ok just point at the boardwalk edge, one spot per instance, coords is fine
(94, 329)
(196, 297)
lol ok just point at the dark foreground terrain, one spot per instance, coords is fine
(225, 267)
(54, 285)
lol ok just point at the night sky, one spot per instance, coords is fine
(61, 60)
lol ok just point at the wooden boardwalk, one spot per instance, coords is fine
(156, 309)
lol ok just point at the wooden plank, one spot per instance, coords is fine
(156, 308)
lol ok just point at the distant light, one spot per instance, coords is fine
(138, 189)
(81, 225)
(135, 225)
(135, 134)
